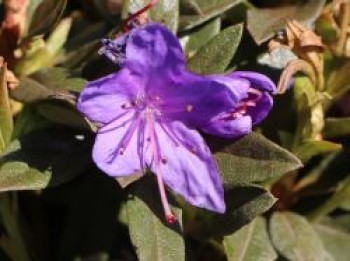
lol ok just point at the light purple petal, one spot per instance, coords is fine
(109, 142)
(101, 100)
(257, 80)
(190, 169)
(233, 128)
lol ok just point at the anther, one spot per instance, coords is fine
(170, 219)
(164, 161)
(189, 108)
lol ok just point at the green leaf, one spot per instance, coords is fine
(295, 238)
(309, 149)
(251, 242)
(46, 83)
(264, 23)
(335, 240)
(200, 37)
(152, 238)
(244, 202)
(253, 158)
(45, 16)
(204, 11)
(6, 120)
(336, 127)
(338, 82)
(43, 159)
(165, 11)
(62, 112)
(45, 53)
(341, 195)
(215, 56)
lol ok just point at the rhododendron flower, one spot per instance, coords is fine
(253, 104)
(150, 109)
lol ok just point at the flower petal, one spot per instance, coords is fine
(109, 144)
(262, 108)
(231, 128)
(101, 100)
(189, 169)
(194, 99)
(257, 80)
(153, 49)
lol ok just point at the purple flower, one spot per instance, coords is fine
(253, 104)
(148, 112)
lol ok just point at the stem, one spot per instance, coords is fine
(342, 194)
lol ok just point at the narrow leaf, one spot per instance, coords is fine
(44, 158)
(264, 23)
(152, 238)
(251, 242)
(253, 158)
(337, 127)
(6, 120)
(309, 149)
(295, 238)
(335, 240)
(218, 53)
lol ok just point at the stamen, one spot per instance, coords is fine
(138, 13)
(169, 216)
(129, 105)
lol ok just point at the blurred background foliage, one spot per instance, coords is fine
(287, 185)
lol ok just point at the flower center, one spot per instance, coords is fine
(254, 96)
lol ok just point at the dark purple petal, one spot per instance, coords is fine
(101, 100)
(120, 148)
(231, 128)
(262, 108)
(257, 80)
(194, 99)
(152, 50)
(188, 167)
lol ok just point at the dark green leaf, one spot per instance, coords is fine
(309, 149)
(204, 11)
(295, 238)
(336, 127)
(62, 112)
(165, 11)
(43, 159)
(335, 240)
(215, 56)
(264, 23)
(6, 121)
(243, 204)
(46, 15)
(253, 158)
(200, 37)
(251, 242)
(152, 238)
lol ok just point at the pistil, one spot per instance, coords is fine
(170, 218)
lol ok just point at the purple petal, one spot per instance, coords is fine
(189, 169)
(233, 128)
(257, 80)
(101, 100)
(153, 49)
(193, 99)
(128, 132)
(237, 85)
(262, 108)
